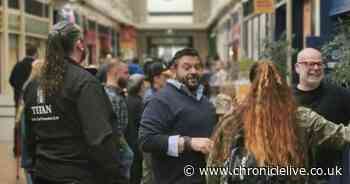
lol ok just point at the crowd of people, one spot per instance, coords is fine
(131, 124)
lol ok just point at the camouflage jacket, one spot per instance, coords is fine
(313, 130)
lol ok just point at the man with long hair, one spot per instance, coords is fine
(68, 117)
(268, 129)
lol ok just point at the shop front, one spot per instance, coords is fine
(128, 42)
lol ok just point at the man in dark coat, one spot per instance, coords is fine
(21, 71)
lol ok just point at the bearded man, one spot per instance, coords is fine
(177, 123)
(330, 101)
(117, 76)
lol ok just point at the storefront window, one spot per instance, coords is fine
(256, 38)
(255, 32)
(13, 58)
(114, 43)
(250, 39)
(14, 4)
(248, 7)
(40, 43)
(316, 16)
(46, 10)
(34, 7)
(13, 49)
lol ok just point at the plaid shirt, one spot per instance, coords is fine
(125, 153)
(120, 109)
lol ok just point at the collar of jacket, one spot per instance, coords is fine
(180, 86)
(116, 89)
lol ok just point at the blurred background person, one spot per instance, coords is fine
(154, 71)
(19, 75)
(117, 79)
(218, 78)
(21, 147)
(225, 101)
(134, 66)
(21, 72)
(136, 90)
(157, 79)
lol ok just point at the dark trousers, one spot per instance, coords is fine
(136, 169)
(40, 180)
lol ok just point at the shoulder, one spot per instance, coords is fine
(166, 93)
(30, 89)
(79, 75)
(335, 89)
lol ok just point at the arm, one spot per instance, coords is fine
(14, 78)
(154, 127)
(321, 131)
(96, 113)
(154, 136)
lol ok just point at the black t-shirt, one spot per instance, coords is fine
(70, 131)
(333, 103)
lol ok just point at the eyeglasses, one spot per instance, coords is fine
(312, 64)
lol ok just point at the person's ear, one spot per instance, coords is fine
(173, 68)
(80, 45)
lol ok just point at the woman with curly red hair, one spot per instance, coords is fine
(269, 130)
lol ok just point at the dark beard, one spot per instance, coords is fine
(122, 83)
(189, 84)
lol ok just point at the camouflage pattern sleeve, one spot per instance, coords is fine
(319, 131)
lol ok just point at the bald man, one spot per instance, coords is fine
(330, 101)
(117, 76)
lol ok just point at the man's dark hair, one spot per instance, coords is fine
(185, 52)
(135, 60)
(153, 69)
(135, 84)
(31, 50)
(216, 57)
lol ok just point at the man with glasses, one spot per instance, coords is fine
(330, 101)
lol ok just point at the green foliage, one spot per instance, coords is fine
(245, 64)
(338, 49)
(277, 52)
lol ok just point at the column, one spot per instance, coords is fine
(5, 55)
(289, 38)
(22, 35)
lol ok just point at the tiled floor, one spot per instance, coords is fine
(8, 165)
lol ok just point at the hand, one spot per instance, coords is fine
(203, 145)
